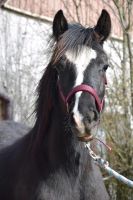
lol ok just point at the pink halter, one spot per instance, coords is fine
(83, 88)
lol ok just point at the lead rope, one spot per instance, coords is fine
(105, 165)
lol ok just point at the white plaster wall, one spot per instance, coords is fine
(23, 56)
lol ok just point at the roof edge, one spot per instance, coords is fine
(26, 13)
(40, 17)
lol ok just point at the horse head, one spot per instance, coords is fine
(81, 64)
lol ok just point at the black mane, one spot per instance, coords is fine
(44, 104)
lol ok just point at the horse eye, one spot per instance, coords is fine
(105, 67)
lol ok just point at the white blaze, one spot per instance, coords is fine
(81, 60)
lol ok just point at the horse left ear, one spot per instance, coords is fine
(60, 24)
(103, 27)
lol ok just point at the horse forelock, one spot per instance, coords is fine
(73, 39)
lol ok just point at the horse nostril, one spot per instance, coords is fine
(75, 119)
(72, 118)
(91, 116)
(77, 122)
(96, 115)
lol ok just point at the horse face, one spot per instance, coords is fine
(82, 60)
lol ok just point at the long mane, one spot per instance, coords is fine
(46, 94)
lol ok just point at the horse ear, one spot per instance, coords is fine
(60, 24)
(103, 27)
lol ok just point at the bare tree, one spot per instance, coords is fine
(118, 122)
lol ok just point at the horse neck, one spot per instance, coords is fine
(53, 137)
(60, 140)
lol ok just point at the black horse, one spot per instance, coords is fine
(51, 161)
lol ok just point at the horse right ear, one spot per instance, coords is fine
(103, 27)
(60, 24)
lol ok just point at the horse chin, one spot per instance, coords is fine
(85, 134)
(81, 135)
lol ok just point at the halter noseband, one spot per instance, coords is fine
(83, 88)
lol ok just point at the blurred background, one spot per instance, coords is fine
(25, 29)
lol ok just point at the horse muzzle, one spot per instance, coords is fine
(84, 124)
